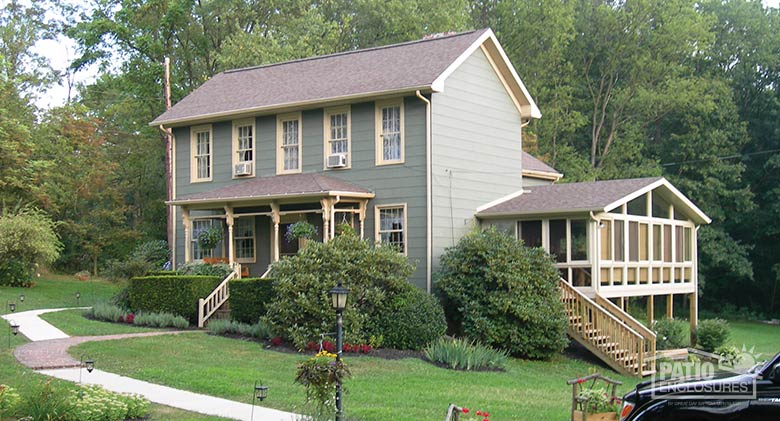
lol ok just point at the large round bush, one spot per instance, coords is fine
(505, 295)
(27, 239)
(412, 320)
(302, 311)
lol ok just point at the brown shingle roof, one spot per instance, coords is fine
(406, 66)
(531, 163)
(567, 198)
(279, 186)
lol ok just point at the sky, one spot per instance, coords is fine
(61, 52)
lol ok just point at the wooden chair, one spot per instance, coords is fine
(579, 407)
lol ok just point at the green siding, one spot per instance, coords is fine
(477, 149)
(403, 183)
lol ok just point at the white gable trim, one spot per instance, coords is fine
(530, 110)
(665, 183)
(503, 199)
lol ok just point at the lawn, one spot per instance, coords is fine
(379, 389)
(74, 323)
(764, 337)
(58, 291)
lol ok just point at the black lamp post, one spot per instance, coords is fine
(11, 306)
(78, 298)
(260, 393)
(89, 364)
(338, 300)
(13, 328)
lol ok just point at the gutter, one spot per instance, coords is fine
(428, 193)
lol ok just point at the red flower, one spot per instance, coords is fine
(485, 414)
(130, 318)
(580, 381)
(366, 349)
(276, 341)
(312, 346)
(479, 412)
(464, 410)
(486, 419)
(121, 319)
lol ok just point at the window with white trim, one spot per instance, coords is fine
(391, 226)
(244, 239)
(201, 153)
(390, 132)
(337, 132)
(245, 136)
(289, 144)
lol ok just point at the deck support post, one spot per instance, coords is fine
(650, 310)
(693, 299)
(670, 306)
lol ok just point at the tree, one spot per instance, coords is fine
(27, 240)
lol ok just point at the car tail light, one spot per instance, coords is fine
(626, 411)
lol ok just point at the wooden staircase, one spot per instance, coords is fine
(218, 298)
(609, 333)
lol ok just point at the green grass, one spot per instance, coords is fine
(58, 291)
(765, 337)
(379, 389)
(74, 323)
(166, 413)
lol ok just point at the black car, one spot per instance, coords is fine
(754, 395)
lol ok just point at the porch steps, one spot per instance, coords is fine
(608, 332)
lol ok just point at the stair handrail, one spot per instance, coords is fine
(625, 317)
(209, 305)
(637, 344)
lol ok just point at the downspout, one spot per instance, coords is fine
(428, 194)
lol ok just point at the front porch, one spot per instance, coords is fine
(255, 217)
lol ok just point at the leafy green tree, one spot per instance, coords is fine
(28, 239)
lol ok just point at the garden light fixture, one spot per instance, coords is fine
(260, 393)
(78, 298)
(12, 307)
(21, 298)
(13, 329)
(338, 299)
(87, 363)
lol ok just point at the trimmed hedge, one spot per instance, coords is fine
(248, 298)
(177, 295)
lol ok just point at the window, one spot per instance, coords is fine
(337, 133)
(390, 132)
(288, 140)
(688, 244)
(679, 244)
(531, 233)
(637, 206)
(619, 242)
(200, 144)
(606, 239)
(244, 239)
(657, 243)
(391, 226)
(579, 239)
(199, 225)
(243, 141)
(558, 239)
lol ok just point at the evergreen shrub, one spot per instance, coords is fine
(502, 294)
(249, 297)
(712, 334)
(411, 320)
(177, 294)
(670, 333)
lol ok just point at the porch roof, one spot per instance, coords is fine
(277, 187)
(595, 196)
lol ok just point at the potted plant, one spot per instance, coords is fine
(208, 239)
(597, 405)
(301, 230)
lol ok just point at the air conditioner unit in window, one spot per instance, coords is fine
(243, 168)
(338, 160)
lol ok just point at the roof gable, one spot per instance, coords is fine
(535, 168)
(388, 70)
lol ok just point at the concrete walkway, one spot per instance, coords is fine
(48, 354)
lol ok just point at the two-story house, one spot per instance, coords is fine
(414, 144)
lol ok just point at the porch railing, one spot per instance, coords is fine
(209, 305)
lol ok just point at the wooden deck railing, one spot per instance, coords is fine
(605, 335)
(209, 305)
(649, 335)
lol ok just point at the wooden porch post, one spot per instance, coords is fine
(230, 220)
(362, 215)
(650, 310)
(670, 306)
(276, 218)
(693, 299)
(185, 219)
(326, 204)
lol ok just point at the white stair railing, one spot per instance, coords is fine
(209, 305)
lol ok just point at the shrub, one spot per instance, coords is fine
(248, 298)
(729, 354)
(177, 295)
(155, 252)
(259, 330)
(107, 312)
(9, 399)
(412, 320)
(93, 403)
(712, 334)
(461, 354)
(45, 402)
(220, 270)
(500, 293)
(670, 333)
(301, 309)
(27, 238)
(119, 270)
(160, 320)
